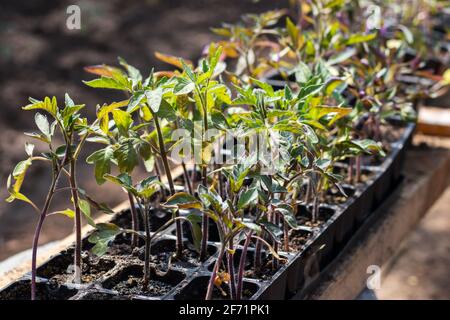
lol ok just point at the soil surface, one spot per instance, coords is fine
(40, 56)
(133, 286)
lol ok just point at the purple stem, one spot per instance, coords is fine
(230, 260)
(240, 278)
(209, 291)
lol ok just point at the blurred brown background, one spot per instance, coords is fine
(39, 56)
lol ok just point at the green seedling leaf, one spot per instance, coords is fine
(102, 160)
(183, 200)
(195, 221)
(47, 105)
(135, 100)
(43, 125)
(332, 84)
(288, 215)
(85, 208)
(133, 73)
(341, 56)
(123, 121)
(249, 225)
(248, 198)
(358, 38)
(68, 213)
(273, 230)
(183, 86)
(105, 233)
(106, 83)
(126, 155)
(154, 98)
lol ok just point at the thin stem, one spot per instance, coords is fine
(286, 235)
(315, 209)
(275, 221)
(308, 191)
(147, 248)
(230, 260)
(350, 170)
(57, 172)
(187, 178)
(205, 218)
(209, 291)
(134, 220)
(205, 235)
(358, 169)
(162, 148)
(258, 255)
(158, 174)
(240, 278)
(76, 204)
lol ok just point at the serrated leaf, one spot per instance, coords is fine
(135, 100)
(102, 160)
(123, 121)
(154, 98)
(47, 105)
(126, 155)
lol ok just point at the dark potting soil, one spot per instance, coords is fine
(266, 272)
(224, 293)
(334, 195)
(120, 249)
(133, 286)
(304, 216)
(163, 260)
(99, 296)
(60, 272)
(21, 290)
(391, 133)
(298, 239)
(196, 290)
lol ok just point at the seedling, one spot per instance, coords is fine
(73, 129)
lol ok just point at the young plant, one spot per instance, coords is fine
(149, 98)
(63, 160)
(207, 94)
(143, 192)
(250, 43)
